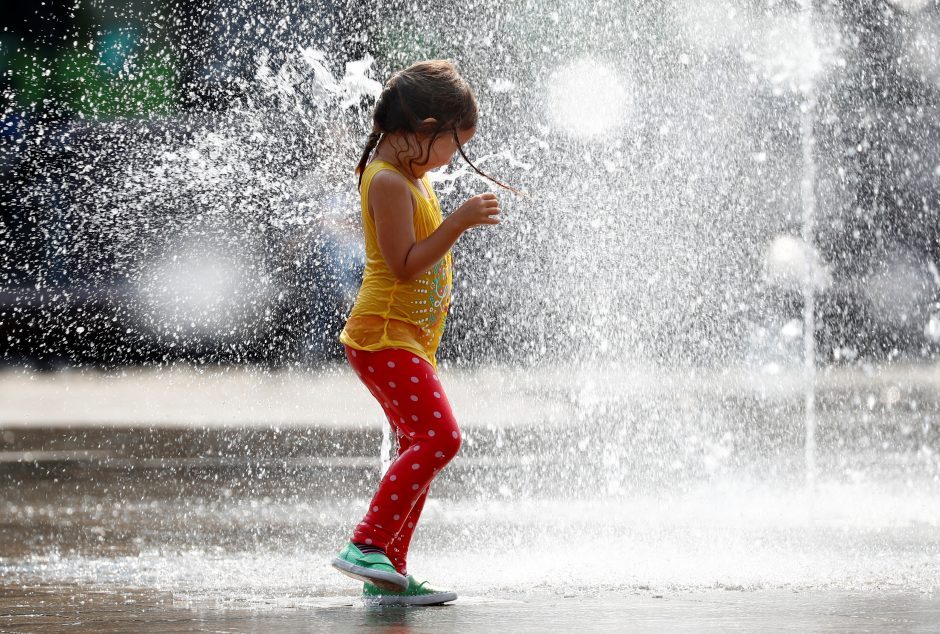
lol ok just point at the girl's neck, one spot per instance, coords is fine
(385, 153)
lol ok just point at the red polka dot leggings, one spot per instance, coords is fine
(417, 409)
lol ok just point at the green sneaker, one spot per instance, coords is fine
(416, 594)
(372, 568)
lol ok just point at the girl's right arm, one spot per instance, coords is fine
(393, 213)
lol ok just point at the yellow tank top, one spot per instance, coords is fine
(389, 313)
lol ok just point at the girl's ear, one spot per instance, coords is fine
(427, 124)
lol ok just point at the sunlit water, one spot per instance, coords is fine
(655, 195)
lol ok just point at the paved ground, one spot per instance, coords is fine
(186, 501)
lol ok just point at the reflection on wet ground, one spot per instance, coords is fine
(76, 609)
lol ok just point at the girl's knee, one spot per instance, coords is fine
(448, 442)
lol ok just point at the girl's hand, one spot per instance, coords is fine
(482, 209)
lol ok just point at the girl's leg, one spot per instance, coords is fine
(398, 550)
(414, 396)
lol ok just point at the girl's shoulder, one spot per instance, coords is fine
(377, 171)
(380, 171)
(387, 185)
(399, 179)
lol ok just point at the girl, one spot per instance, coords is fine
(423, 116)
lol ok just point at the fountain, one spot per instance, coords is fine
(669, 347)
(808, 197)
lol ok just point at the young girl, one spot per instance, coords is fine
(423, 116)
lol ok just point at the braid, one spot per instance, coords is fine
(370, 145)
(518, 192)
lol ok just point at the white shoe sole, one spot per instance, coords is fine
(391, 581)
(438, 598)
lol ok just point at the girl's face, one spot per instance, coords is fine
(445, 147)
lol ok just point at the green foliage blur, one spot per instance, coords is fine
(89, 70)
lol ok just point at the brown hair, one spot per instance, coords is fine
(427, 89)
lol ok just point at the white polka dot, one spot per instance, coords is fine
(395, 402)
(353, 352)
(435, 377)
(414, 418)
(416, 447)
(375, 509)
(454, 434)
(371, 369)
(394, 496)
(393, 478)
(437, 414)
(401, 420)
(414, 398)
(411, 433)
(396, 518)
(411, 524)
(439, 454)
(391, 364)
(431, 432)
(437, 395)
(414, 487)
(386, 404)
(416, 466)
(414, 379)
(391, 384)
(368, 540)
(415, 360)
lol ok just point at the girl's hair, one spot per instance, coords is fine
(427, 89)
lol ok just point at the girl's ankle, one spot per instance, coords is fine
(365, 549)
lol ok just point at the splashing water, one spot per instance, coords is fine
(697, 293)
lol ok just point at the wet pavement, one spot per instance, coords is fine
(649, 511)
(538, 611)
